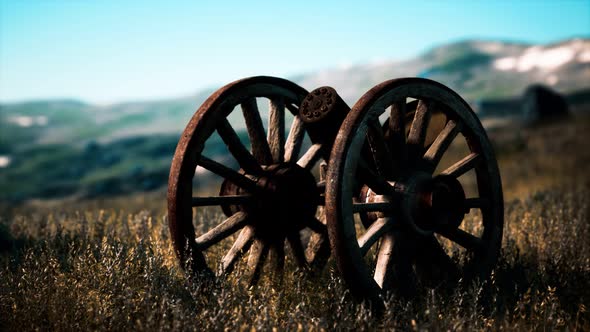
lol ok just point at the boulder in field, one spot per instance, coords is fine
(540, 103)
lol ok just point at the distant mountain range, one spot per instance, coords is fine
(38, 137)
(475, 69)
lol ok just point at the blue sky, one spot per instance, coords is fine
(109, 51)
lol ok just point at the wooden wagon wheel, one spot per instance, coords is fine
(267, 193)
(407, 208)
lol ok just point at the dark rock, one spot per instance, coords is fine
(6, 239)
(540, 103)
(91, 147)
(108, 159)
(135, 171)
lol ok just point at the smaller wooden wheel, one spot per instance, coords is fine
(407, 228)
(267, 190)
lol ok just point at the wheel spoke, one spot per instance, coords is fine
(373, 233)
(463, 166)
(294, 109)
(433, 262)
(321, 186)
(441, 144)
(399, 271)
(379, 150)
(372, 207)
(237, 250)
(221, 200)
(383, 269)
(317, 252)
(462, 238)
(276, 129)
(323, 171)
(294, 140)
(227, 173)
(311, 156)
(277, 257)
(221, 231)
(260, 148)
(397, 135)
(418, 130)
(317, 226)
(237, 149)
(294, 240)
(377, 183)
(258, 253)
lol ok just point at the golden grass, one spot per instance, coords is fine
(109, 264)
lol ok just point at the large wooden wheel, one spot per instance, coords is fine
(406, 228)
(267, 191)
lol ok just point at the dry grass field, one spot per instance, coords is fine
(109, 265)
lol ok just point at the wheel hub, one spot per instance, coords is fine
(435, 203)
(425, 203)
(289, 197)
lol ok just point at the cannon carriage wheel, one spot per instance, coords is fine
(268, 196)
(405, 206)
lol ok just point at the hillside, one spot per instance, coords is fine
(475, 69)
(64, 147)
